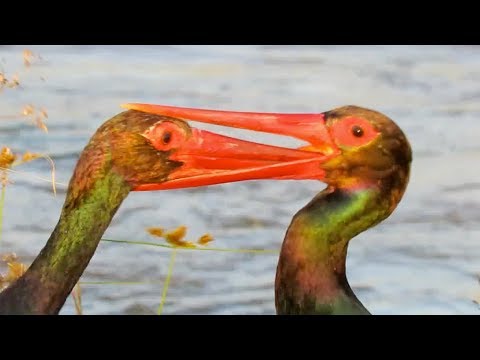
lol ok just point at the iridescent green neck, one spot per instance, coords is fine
(311, 275)
(85, 216)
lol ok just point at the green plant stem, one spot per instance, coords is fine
(167, 281)
(119, 282)
(264, 251)
(2, 202)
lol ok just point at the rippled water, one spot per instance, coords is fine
(425, 259)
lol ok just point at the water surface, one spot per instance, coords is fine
(425, 259)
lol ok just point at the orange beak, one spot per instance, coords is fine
(210, 158)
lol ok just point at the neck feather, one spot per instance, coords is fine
(311, 276)
(85, 216)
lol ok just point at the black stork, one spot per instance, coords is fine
(363, 157)
(133, 151)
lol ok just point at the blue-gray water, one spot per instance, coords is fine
(425, 259)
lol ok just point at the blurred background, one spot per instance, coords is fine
(424, 259)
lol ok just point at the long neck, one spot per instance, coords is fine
(85, 216)
(311, 276)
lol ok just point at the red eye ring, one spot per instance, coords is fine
(166, 135)
(353, 131)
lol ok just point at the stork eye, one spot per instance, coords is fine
(357, 131)
(167, 136)
(353, 131)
